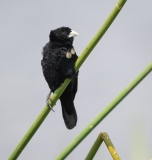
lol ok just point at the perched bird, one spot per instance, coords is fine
(58, 61)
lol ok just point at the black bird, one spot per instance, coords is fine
(58, 62)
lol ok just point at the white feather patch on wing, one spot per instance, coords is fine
(72, 51)
(68, 55)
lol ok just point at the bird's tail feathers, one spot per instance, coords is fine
(69, 113)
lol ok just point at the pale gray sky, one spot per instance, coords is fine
(124, 51)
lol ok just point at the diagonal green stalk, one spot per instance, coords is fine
(39, 120)
(94, 148)
(104, 113)
(110, 146)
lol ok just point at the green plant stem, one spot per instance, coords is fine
(94, 148)
(100, 33)
(60, 90)
(103, 137)
(110, 146)
(104, 113)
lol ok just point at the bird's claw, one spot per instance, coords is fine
(47, 102)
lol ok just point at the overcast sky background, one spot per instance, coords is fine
(123, 52)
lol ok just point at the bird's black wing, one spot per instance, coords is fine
(50, 63)
(67, 69)
(75, 86)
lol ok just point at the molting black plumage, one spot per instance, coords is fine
(58, 64)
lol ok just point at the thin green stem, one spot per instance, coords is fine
(100, 33)
(104, 113)
(110, 146)
(103, 137)
(60, 90)
(94, 148)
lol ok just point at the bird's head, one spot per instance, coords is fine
(63, 34)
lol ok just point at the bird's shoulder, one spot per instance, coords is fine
(49, 49)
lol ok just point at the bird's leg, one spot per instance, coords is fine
(47, 101)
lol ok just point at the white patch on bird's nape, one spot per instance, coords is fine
(68, 55)
(73, 51)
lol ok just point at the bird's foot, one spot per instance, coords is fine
(47, 101)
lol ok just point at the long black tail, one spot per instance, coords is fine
(68, 112)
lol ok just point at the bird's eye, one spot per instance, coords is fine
(64, 33)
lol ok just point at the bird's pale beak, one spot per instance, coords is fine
(72, 34)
